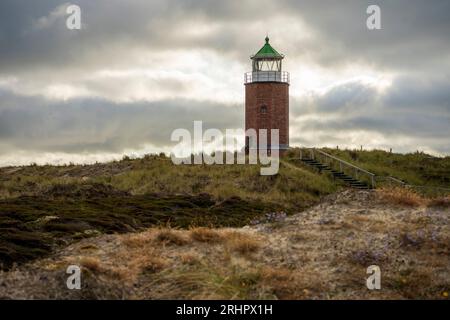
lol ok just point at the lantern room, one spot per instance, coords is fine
(267, 66)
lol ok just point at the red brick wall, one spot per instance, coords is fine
(275, 96)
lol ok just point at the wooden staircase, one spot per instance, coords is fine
(344, 171)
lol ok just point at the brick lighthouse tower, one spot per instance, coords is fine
(267, 96)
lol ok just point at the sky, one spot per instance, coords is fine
(138, 69)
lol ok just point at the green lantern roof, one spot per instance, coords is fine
(267, 52)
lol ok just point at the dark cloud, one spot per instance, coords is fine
(93, 125)
(426, 95)
(414, 32)
(112, 29)
(407, 110)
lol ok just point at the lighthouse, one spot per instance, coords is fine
(267, 96)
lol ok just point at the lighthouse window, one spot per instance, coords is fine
(263, 109)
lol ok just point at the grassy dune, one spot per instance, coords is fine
(42, 208)
(157, 174)
(45, 207)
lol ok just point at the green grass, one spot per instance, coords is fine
(413, 168)
(154, 174)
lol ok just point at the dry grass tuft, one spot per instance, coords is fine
(205, 235)
(242, 243)
(133, 262)
(291, 284)
(171, 237)
(137, 240)
(443, 202)
(189, 258)
(92, 264)
(402, 196)
(149, 264)
(276, 274)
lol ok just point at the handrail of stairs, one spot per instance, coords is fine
(341, 163)
(400, 182)
(413, 186)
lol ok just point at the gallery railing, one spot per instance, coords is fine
(266, 76)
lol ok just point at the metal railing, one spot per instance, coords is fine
(267, 76)
(393, 180)
(341, 165)
(427, 190)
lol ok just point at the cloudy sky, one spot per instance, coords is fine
(138, 69)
